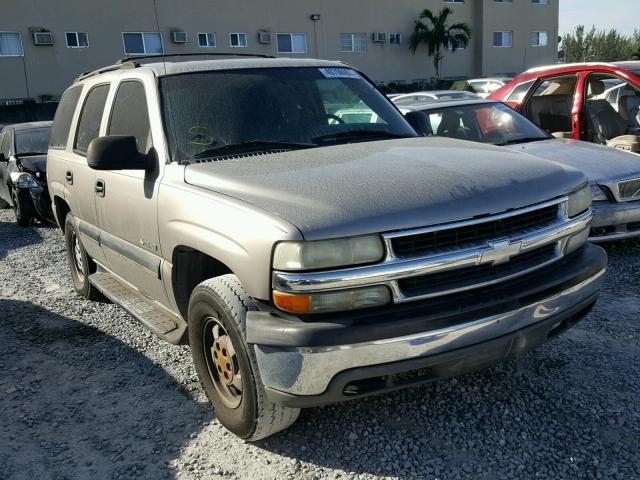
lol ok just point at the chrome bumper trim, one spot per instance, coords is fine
(393, 269)
(308, 371)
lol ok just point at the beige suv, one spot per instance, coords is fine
(308, 257)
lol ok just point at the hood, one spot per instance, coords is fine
(34, 163)
(601, 164)
(387, 185)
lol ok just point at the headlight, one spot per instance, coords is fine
(579, 202)
(320, 254)
(598, 193)
(23, 180)
(337, 301)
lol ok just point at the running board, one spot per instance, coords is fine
(155, 318)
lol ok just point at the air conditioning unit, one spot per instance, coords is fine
(264, 37)
(42, 38)
(179, 37)
(378, 37)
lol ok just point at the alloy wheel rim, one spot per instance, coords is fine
(77, 256)
(222, 362)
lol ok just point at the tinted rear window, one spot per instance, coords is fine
(63, 118)
(90, 118)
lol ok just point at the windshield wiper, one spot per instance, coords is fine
(357, 135)
(522, 140)
(253, 146)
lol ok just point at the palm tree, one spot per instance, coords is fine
(436, 34)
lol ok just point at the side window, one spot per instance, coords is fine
(550, 105)
(518, 93)
(130, 115)
(90, 118)
(64, 116)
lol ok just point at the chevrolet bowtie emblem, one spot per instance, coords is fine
(500, 252)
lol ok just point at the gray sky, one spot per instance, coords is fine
(619, 14)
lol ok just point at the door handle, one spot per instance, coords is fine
(100, 188)
(69, 177)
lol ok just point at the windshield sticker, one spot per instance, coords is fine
(339, 73)
(199, 135)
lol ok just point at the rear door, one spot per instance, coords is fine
(127, 200)
(78, 177)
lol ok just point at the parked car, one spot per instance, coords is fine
(614, 175)
(435, 95)
(482, 87)
(308, 261)
(567, 101)
(23, 178)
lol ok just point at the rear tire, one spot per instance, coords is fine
(80, 263)
(23, 208)
(226, 364)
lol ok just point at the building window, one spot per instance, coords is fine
(503, 1)
(540, 2)
(353, 42)
(292, 42)
(395, 38)
(142, 43)
(206, 40)
(238, 40)
(503, 39)
(77, 39)
(453, 1)
(11, 44)
(459, 47)
(539, 39)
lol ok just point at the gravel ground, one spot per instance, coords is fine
(86, 392)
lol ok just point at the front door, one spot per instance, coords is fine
(127, 200)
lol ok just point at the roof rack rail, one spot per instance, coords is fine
(118, 66)
(206, 54)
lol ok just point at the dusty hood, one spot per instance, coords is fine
(388, 185)
(599, 163)
(34, 163)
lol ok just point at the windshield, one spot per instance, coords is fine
(493, 123)
(208, 113)
(33, 141)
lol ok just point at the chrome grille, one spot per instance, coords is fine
(629, 189)
(454, 280)
(473, 234)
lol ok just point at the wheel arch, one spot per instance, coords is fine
(60, 210)
(190, 268)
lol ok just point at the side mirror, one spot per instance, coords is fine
(116, 152)
(418, 120)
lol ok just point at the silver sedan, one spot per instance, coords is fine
(614, 175)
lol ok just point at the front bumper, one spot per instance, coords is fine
(312, 362)
(615, 221)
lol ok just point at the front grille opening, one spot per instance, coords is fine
(464, 277)
(602, 231)
(420, 244)
(633, 227)
(629, 189)
(398, 380)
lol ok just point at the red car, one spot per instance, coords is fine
(596, 102)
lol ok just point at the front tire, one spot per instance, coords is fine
(23, 208)
(226, 364)
(80, 263)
